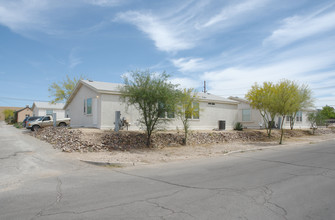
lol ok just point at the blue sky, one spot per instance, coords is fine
(229, 43)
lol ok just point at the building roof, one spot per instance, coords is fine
(214, 98)
(48, 105)
(238, 99)
(102, 87)
(27, 107)
(114, 88)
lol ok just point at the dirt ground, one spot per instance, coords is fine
(135, 157)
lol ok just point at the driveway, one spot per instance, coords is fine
(38, 182)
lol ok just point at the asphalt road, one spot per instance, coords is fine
(38, 182)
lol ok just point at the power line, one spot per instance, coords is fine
(20, 99)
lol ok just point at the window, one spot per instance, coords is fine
(162, 113)
(46, 118)
(195, 113)
(211, 104)
(246, 115)
(299, 116)
(49, 112)
(89, 106)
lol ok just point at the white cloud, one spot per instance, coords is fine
(23, 14)
(166, 37)
(106, 3)
(181, 27)
(298, 27)
(74, 60)
(185, 82)
(188, 64)
(233, 11)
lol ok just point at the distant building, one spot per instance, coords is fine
(2, 109)
(21, 114)
(46, 108)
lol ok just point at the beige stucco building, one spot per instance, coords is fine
(21, 114)
(93, 104)
(251, 118)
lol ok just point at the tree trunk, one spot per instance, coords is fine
(148, 138)
(282, 131)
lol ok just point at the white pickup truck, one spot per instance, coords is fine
(46, 121)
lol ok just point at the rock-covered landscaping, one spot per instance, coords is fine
(94, 140)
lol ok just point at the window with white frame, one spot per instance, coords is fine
(299, 116)
(194, 114)
(88, 106)
(246, 115)
(162, 113)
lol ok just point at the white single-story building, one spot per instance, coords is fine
(93, 104)
(248, 116)
(251, 118)
(46, 108)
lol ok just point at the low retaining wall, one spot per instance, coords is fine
(69, 140)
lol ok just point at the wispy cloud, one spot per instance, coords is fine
(74, 60)
(23, 14)
(298, 27)
(183, 27)
(233, 11)
(165, 36)
(188, 64)
(106, 3)
(43, 16)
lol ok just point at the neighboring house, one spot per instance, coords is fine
(248, 116)
(46, 108)
(21, 114)
(94, 104)
(301, 120)
(251, 118)
(2, 109)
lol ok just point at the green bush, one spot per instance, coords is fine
(238, 126)
(18, 125)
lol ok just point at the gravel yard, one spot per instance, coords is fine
(128, 148)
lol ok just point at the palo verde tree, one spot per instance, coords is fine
(187, 108)
(315, 119)
(288, 100)
(262, 98)
(303, 100)
(152, 95)
(61, 91)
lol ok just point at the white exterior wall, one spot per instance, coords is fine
(255, 116)
(43, 112)
(304, 124)
(112, 103)
(75, 110)
(209, 115)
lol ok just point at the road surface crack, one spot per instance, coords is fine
(180, 185)
(59, 196)
(15, 154)
(110, 206)
(286, 163)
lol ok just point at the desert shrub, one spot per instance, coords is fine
(238, 126)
